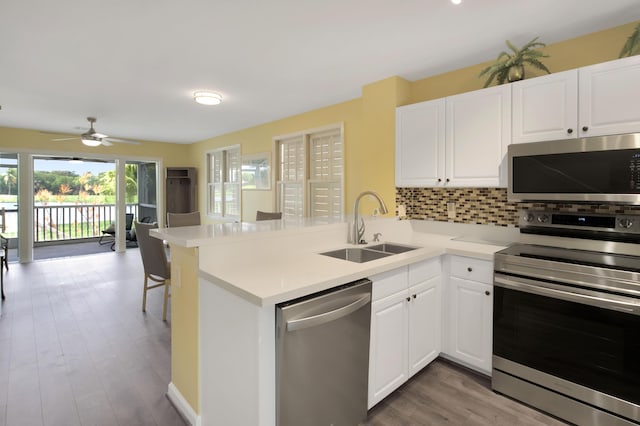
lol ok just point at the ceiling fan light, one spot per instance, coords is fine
(89, 141)
(207, 98)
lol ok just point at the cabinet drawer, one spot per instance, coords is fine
(388, 283)
(472, 269)
(422, 271)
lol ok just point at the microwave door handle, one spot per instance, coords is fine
(325, 317)
(631, 307)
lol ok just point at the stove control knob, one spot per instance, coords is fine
(529, 217)
(543, 218)
(625, 223)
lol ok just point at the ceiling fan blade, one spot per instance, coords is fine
(55, 133)
(117, 140)
(106, 142)
(99, 135)
(65, 139)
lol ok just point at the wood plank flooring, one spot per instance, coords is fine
(75, 349)
(447, 394)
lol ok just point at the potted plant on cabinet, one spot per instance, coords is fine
(632, 45)
(509, 66)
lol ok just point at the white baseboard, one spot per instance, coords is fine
(183, 406)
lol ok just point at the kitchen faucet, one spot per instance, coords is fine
(358, 231)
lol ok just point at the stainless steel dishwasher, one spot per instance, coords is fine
(322, 357)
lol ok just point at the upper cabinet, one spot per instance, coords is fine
(545, 108)
(591, 101)
(478, 131)
(608, 97)
(420, 143)
(454, 142)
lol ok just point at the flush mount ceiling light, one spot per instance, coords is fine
(456, 1)
(207, 98)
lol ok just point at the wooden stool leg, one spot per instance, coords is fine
(144, 294)
(2, 277)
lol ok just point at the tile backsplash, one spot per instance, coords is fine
(484, 205)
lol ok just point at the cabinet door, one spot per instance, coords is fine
(471, 323)
(424, 324)
(478, 131)
(420, 144)
(545, 108)
(608, 95)
(388, 346)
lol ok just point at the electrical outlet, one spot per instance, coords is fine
(451, 210)
(402, 210)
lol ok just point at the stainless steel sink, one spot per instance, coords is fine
(358, 255)
(392, 248)
(369, 253)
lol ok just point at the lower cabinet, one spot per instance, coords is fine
(405, 325)
(468, 323)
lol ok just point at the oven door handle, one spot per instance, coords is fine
(621, 303)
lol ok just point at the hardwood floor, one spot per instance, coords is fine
(446, 394)
(75, 349)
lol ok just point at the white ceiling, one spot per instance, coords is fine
(135, 63)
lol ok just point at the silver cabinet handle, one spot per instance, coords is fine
(615, 303)
(298, 324)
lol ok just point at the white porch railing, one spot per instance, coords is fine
(74, 221)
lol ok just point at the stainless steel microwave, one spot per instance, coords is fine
(594, 169)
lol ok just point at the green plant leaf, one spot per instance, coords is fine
(499, 70)
(539, 65)
(512, 47)
(632, 45)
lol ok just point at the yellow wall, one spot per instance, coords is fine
(260, 139)
(184, 324)
(369, 121)
(578, 52)
(12, 139)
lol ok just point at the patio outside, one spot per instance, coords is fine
(72, 204)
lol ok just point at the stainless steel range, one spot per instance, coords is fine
(566, 333)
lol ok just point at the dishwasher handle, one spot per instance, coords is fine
(325, 317)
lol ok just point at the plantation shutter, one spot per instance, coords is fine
(232, 183)
(215, 183)
(326, 174)
(224, 183)
(291, 177)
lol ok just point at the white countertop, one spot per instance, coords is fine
(271, 262)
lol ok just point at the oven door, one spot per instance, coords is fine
(584, 337)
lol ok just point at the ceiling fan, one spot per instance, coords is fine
(93, 138)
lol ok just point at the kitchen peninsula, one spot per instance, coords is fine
(227, 279)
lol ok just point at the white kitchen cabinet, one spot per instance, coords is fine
(405, 325)
(477, 133)
(420, 144)
(454, 142)
(595, 100)
(608, 95)
(424, 324)
(545, 108)
(388, 346)
(469, 300)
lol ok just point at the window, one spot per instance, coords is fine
(310, 173)
(224, 182)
